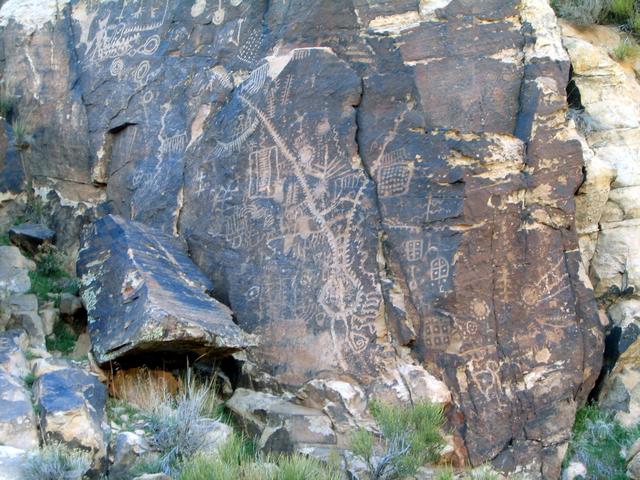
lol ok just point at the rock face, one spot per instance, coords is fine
(143, 294)
(605, 102)
(30, 236)
(376, 189)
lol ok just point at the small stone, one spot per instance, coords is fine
(128, 447)
(30, 236)
(70, 304)
(82, 347)
(153, 476)
(32, 324)
(217, 434)
(49, 318)
(574, 470)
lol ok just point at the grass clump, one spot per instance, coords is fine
(177, 423)
(63, 339)
(7, 104)
(21, 133)
(411, 437)
(598, 441)
(56, 461)
(582, 12)
(625, 50)
(50, 276)
(29, 379)
(237, 460)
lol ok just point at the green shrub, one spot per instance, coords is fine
(411, 438)
(301, 467)
(21, 133)
(7, 104)
(28, 379)
(63, 339)
(583, 12)
(56, 461)
(176, 423)
(597, 441)
(625, 49)
(622, 10)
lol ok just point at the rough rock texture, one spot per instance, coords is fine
(14, 271)
(17, 419)
(30, 236)
(72, 406)
(605, 98)
(144, 294)
(12, 463)
(381, 191)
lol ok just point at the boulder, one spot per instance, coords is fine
(18, 426)
(620, 393)
(127, 449)
(30, 236)
(14, 271)
(70, 304)
(23, 313)
(145, 296)
(12, 357)
(49, 317)
(72, 406)
(12, 463)
(278, 424)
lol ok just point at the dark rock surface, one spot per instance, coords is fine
(144, 295)
(72, 410)
(30, 236)
(360, 180)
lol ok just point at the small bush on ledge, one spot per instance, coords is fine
(411, 438)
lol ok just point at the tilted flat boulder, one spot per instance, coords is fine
(30, 236)
(144, 294)
(17, 419)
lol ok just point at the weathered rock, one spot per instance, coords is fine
(621, 391)
(574, 471)
(364, 182)
(128, 448)
(217, 434)
(12, 463)
(72, 410)
(12, 358)
(278, 424)
(49, 317)
(14, 271)
(82, 347)
(17, 419)
(144, 295)
(30, 236)
(70, 304)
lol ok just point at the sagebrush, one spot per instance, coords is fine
(56, 461)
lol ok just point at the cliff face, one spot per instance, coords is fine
(377, 189)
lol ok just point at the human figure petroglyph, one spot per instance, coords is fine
(341, 297)
(550, 285)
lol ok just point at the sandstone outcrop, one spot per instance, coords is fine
(144, 295)
(382, 193)
(605, 99)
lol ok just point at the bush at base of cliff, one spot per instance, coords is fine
(599, 442)
(583, 12)
(411, 438)
(56, 461)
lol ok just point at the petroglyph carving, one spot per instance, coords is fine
(394, 174)
(264, 172)
(250, 50)
(218, 14)
(174, 144)
(413, 250)
(439, 269)
(243, 128)
(437, 333)
(550, 285)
